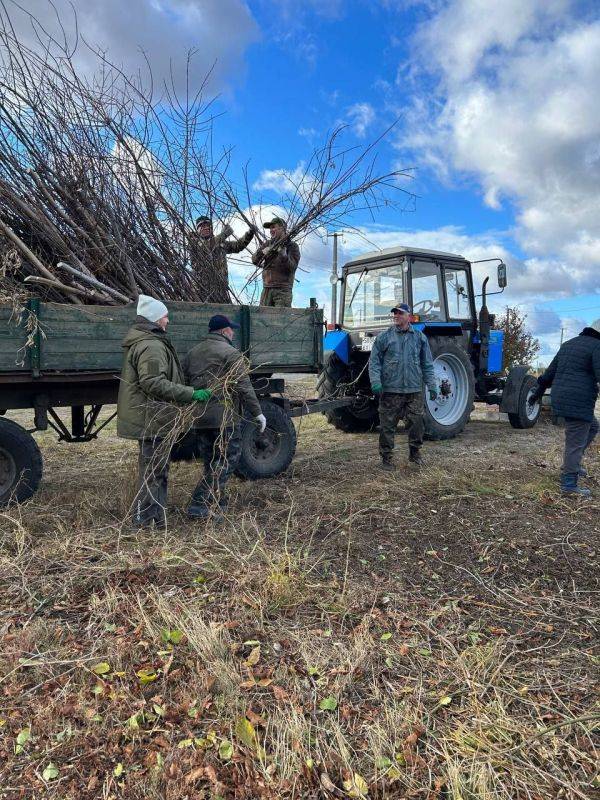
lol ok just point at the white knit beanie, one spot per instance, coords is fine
(150, 308)
(596, 325)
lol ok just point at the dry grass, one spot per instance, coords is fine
(343, 633)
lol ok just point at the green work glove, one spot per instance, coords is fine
(377, 388)
(432, 394)
(201, 395)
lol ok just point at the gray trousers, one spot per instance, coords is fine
(221, 451)
(579, 435)
(153, 472)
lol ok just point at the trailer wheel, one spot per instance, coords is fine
(527, 415)
(362, 416)
(267, 454)
(20, 463)
(447, 415)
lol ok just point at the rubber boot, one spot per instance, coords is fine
(387, 464)
(414, 456)
(568, 485)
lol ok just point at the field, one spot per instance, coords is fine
(344, 632)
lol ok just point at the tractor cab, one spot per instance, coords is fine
(437, 286)
(467, 352)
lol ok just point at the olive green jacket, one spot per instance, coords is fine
(152, 382)
(216, 364)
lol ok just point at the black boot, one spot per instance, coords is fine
(414, 455)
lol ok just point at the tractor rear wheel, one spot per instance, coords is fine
(336, 381)
(447, 415)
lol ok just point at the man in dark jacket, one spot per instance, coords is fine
(209, 258)
(573, 374)
(152, 386)
(216, 363)
(399, 365)
(279, 260)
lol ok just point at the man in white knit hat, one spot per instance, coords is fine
(152, 385)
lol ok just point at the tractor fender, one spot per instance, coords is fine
(337, 342)
(512, 390)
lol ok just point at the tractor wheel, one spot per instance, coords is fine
(20, 463)
(527, 415)
(362, 416)
(447, 415)
(267, 454)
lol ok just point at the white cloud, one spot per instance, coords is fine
(516, 107)
(360, 117)
(280, 181)
(218, 31)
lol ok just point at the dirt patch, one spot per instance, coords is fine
(344, 633)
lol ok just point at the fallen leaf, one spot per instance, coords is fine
(445, 701)
(357, 786)
(102, 668)
(51, 772)
(118, 770)
(225, 750)
(328, 704)
(254, 657)
(386, 636)
(22, 739)
(244, 731)
(146, 675)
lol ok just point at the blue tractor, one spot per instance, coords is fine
(467, 350)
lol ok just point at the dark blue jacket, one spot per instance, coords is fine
(574, 374)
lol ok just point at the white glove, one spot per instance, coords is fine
(262, 421)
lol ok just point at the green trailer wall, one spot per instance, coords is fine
(71, 338)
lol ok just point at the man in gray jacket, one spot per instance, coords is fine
(216, 363)
(399, 365)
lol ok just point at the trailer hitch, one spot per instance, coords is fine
(82, 425)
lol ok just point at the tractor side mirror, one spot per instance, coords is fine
(502, 281)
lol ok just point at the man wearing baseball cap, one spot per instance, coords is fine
(399, 365)
(217, 364)
(208, 255)
(152, 386)
(279, 260)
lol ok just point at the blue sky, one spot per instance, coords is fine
(498, 115)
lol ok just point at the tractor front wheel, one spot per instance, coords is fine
(526, 415)
(336, 381)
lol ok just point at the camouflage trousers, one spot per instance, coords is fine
(276, 298)
(394, 407)
(153, 472)
(220, 450)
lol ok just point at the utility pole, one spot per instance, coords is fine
(334, 276)
(562, 333)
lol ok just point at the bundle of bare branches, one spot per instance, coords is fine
(336, 185)
(101, 179)
(103, 174)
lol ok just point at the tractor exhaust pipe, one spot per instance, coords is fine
(484, 329)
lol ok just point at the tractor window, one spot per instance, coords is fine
(427, 290)
(370, 296)
(457, 293)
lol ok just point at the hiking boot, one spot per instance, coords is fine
(568, 486)
(583, 473)
(198, 511)
(414, 456)
(387, 464)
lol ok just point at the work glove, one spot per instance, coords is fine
(201, 395)
(261, 420)
(227, 230)
(432, 394)
(377, 388)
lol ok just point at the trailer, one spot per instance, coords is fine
(55, 356)
(467, 351)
